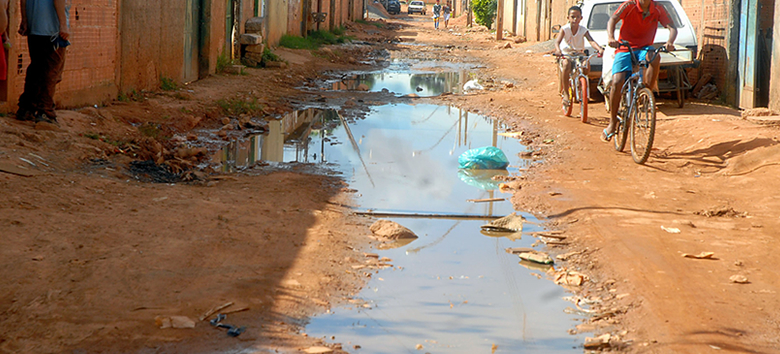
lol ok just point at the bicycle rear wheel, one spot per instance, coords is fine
(621, 132)
(643, 126)
(583, 82)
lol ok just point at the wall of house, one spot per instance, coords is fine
(90, 64)
(277, 20)
(152, 43)
(711, 21)
(774, 85)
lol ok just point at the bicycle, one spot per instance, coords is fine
(637, 109)
(579, 86)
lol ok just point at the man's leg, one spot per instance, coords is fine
(565, 70)
(33, 79)
(614, 99)
(652, 72)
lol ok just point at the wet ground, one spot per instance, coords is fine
(454, 289)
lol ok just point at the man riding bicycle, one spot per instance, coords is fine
(640, 22)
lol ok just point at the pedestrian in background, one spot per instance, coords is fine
(436, 14)
(45, 23)
(447, 9)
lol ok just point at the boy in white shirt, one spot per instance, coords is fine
(571, 39)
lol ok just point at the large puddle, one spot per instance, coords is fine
(454, 289)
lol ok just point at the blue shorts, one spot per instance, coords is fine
(622, 61)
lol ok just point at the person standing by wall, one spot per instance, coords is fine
(45, 23)
(447, 10)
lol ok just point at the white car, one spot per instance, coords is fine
(596, 13)
(416, 6)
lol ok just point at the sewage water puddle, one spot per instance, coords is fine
(454, 289)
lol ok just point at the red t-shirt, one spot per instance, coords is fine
(638, 28)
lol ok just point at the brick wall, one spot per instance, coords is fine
(710, 19)
(91, 61)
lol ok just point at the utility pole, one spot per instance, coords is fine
(500, 21)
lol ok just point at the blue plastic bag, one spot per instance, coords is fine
(484, 158)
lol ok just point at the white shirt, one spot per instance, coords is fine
(573, 42)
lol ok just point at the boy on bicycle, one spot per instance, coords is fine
(570, 40)
(640, 22)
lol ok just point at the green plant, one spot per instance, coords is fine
(222, 62)
(132, 95)
(295, 42)
(149, 129)
(375, 24)
(339, 30)
(268, 55)
(484, 11)
(238, 106)
(314, 40)
(167, 84)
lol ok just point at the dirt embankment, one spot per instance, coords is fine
(95, 258)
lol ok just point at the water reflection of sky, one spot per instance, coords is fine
(410, 164)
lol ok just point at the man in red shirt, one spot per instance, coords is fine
(640, 21)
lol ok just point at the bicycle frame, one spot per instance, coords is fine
(577, 75)
(633, 91)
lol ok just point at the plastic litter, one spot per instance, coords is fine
(484, 158)
(232, 331)
(472, 85)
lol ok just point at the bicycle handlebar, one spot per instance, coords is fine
(662, 48)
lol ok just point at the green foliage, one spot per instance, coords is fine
(376, 24)
(339, 31)
(295, 42)
(167, 84)
(237, 106)
(222, 62)
(484, 11)
(149, 129)
(268, 55)
(133, 95)
(314, 40)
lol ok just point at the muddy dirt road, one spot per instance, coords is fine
(95, 257)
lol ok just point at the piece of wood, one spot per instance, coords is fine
(214, 310)
(485, 200)
(425, 215)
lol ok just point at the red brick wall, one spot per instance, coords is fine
(710, 19)
(91, 61)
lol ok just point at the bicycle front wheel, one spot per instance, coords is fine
(643, 126)
(583, 82)
(621, 132)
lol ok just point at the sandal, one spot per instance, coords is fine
(606, 137)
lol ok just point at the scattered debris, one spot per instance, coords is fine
(390, 230)
(568, 277)
(318, 350)
(174, 322)
(536, 257)
(485, 200)
(721, 211)
(565, 256)
(703, 255)
(509, 223)
(232, 331)
(671, 230)
(214, 310)
(418, 346)
(739, 279)
(600, 342)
